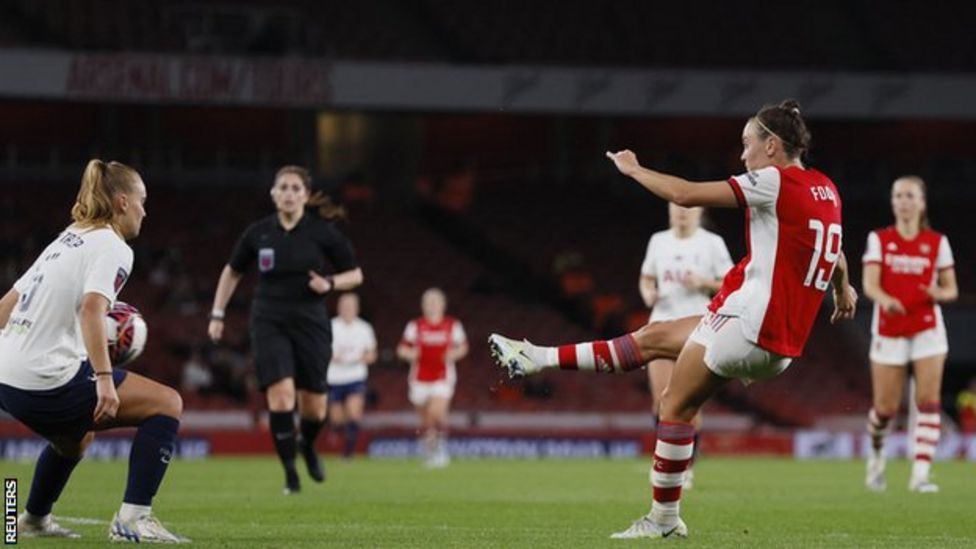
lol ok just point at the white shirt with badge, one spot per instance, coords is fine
(350, 343)
(670, 260)
(42, 346)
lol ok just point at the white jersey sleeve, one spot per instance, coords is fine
(649, 265)
(721, 258)
(944, 259)
(108, 270)
(410, 333)
(872, 251)
(458, 337)
(757, 189)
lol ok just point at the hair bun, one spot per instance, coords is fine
(791, 106)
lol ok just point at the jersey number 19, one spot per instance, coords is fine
(826, 245)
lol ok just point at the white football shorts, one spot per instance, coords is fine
(422, 391)
(899, 351)
(729, 354)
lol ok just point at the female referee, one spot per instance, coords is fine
(290, 327)
(55, 374)
(755, 325)
(908, 271)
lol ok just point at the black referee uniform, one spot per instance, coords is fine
(291, 332)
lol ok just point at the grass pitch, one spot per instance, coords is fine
(750, 503)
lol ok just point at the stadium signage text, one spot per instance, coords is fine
(191, 78)
(506, 447)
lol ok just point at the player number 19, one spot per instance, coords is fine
(826, 244)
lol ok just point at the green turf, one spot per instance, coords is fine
(750, 503)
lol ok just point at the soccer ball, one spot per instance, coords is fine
(127, 332)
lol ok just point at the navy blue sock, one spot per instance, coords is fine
(283, 434)
(50, 476)
(352, 435)
(152, 449)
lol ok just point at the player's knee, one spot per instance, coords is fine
(281, 398)
(171, 404)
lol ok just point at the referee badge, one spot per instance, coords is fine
(265, 259)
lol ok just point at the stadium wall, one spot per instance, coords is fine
(17, 443)
(309, 82)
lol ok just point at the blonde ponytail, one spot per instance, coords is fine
(99, 184)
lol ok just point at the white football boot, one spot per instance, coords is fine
(922, 485)
(644, 527)
(874, 478)
(44, 527)
(513, 356)
(145, 529)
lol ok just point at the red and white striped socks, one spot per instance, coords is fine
(616, 355)
(672, 456)
(928, 425)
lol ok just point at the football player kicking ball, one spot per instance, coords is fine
(755, 325)
(55, 373)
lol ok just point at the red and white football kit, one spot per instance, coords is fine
(432, 374)
(763, 314)
(907, 266)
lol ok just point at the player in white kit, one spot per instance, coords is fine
(683, 267)
(55, 373)
(353, 350)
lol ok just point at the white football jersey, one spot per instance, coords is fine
(670, 260)
(350, 341)
(42, 346)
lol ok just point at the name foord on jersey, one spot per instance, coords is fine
(823, 193)
(907, 264)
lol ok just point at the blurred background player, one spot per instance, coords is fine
(353, 350)
(290, 325)
(433, 344)
(682, 268)
(754, 327)
(908, 272)
(55, 373)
